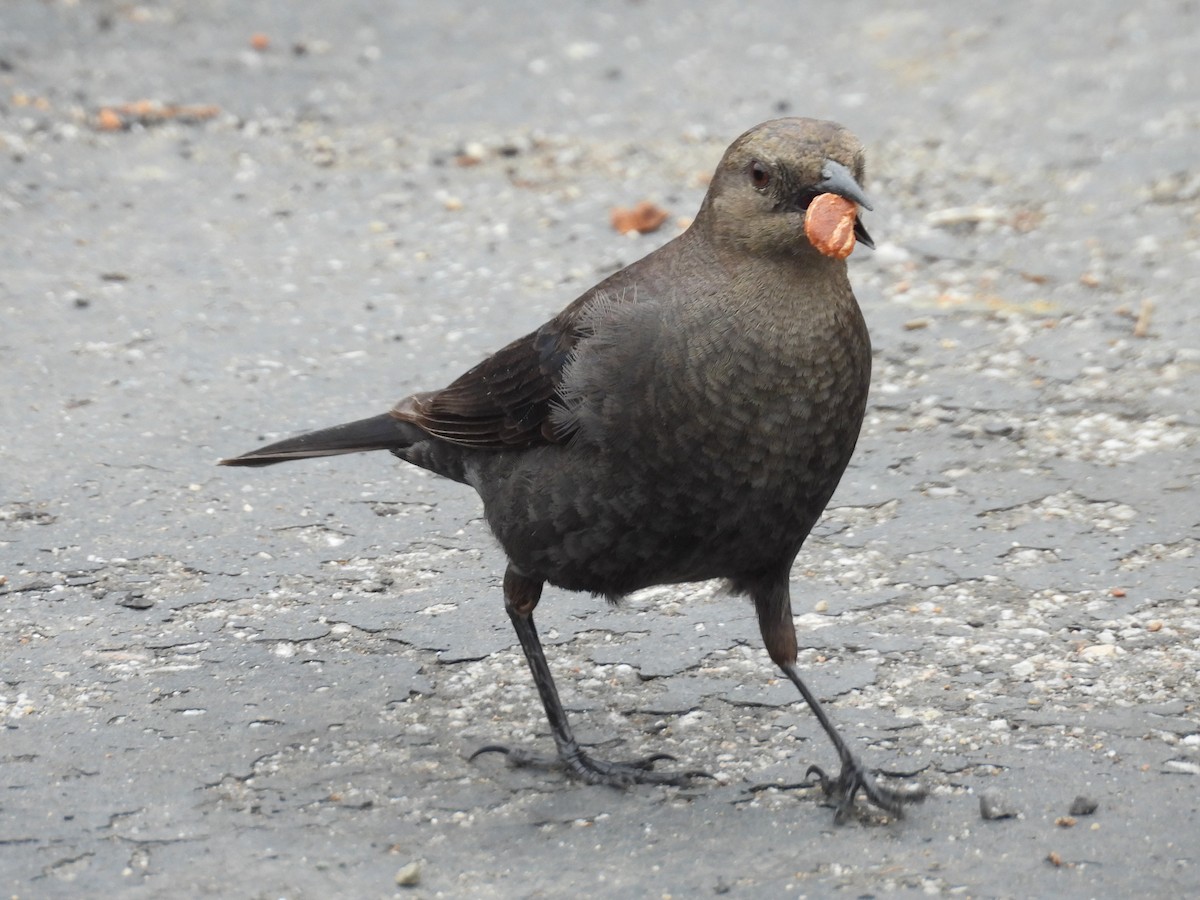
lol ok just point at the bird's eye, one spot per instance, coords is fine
(759, 176)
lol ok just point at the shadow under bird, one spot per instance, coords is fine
(687, 418)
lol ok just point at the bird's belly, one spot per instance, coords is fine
(617, 522)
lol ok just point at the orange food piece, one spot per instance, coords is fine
(829, 225)
(643, 218)
(259, 41)
(108, 120)
(150, 112)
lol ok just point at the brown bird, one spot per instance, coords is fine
(687, 418)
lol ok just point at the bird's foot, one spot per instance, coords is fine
(587, 769)
(854, 778)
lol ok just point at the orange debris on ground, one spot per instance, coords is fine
(643, 218)
(151, 112)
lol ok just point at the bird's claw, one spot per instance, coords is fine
(854, 778)
(579, 765)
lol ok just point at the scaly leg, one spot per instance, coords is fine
(521, 595)
(773, 605)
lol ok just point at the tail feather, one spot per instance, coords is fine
(376, 433)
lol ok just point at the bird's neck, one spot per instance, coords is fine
(804, 280)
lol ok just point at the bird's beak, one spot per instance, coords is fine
(837, 179)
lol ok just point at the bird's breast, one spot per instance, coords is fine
(777, 390)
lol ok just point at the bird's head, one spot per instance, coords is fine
(761, 191)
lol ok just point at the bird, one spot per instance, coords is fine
(687, 418)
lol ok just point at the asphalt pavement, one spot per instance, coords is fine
(226, 222)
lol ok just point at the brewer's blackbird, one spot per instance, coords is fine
(687, 418)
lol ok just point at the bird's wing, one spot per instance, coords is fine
(524, 394)
(505, 401)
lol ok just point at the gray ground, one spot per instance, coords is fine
(266, 683)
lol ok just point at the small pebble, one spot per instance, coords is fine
(1083, 806)
(131, 600)
(992, 806)
(409, 875)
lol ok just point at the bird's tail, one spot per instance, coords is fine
(383, 432)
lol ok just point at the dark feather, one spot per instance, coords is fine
(506, 400)
(383, 432)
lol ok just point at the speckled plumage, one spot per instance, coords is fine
(687, 418)
(707, 436)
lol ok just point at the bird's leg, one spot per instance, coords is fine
(774, 608)
(521, 595)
